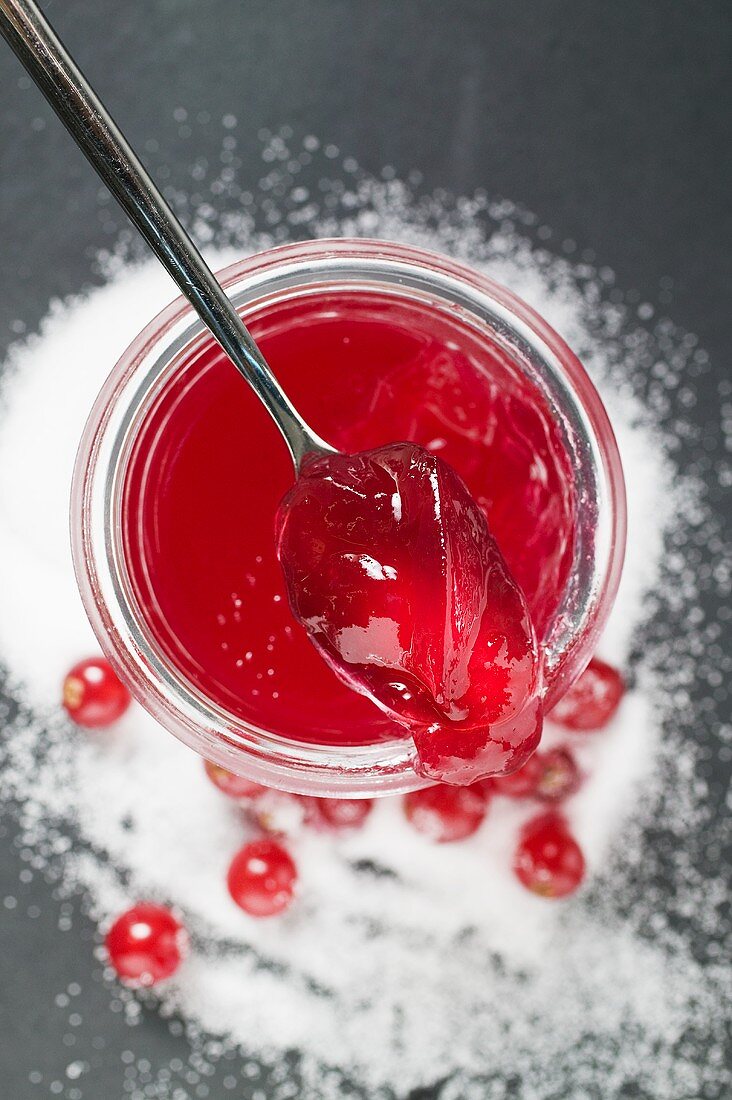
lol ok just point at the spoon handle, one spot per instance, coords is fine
(36, 44)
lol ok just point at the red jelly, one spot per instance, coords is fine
(208, 470)
(392, 570)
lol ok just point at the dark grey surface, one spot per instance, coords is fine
(608, 120)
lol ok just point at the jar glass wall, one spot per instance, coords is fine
(172, 339)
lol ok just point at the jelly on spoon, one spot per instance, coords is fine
(391, 568)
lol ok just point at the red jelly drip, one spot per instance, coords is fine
(392, 570)
(208, 470)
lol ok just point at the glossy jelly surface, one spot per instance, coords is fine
(392, 570)
(208, 470)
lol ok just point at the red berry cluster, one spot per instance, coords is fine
(548, 859)
(146, 944)
(262, 874)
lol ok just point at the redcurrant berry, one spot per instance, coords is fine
(93, 695)
(521, 783)
(262, 878)
(279, 812)
(446, 813)
(341, 813)
(548, 859)
(146, 944)
(235, 786)
(559, 775)
(592, 699)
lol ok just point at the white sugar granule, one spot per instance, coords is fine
(402, 963)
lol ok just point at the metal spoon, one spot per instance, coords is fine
(36, 44)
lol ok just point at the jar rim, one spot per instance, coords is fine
(265, 757)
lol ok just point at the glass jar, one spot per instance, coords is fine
(493, 312)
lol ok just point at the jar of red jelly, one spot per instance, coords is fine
(180, 472)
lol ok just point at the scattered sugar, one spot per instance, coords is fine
(402, 963)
